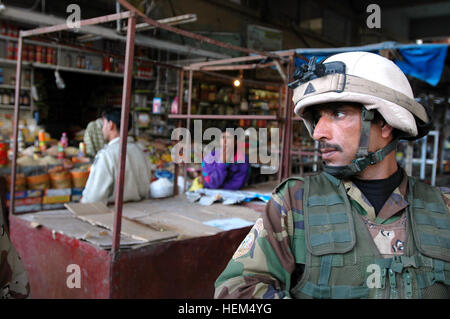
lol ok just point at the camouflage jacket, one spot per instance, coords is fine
(13, 277)
(264, 265)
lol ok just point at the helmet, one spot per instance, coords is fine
(365, 78)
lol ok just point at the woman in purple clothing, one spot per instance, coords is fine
(223, 171)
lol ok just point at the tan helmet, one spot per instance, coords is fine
(365, 78)
(371, 80)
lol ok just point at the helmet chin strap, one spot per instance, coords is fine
(363, 157)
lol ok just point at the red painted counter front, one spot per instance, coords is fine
(176, 269)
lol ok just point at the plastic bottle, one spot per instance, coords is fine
(41, 137)
(82, 148)
(37, 150)
(64, 140)
(60, 154)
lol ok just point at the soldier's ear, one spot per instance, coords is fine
(386, 130)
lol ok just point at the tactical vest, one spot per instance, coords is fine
(343, 261)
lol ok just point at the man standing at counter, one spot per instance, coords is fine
(100, 186)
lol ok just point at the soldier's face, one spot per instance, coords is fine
(337, 128)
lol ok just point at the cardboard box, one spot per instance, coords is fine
(27, 208)
(52, 206)
(25, 202)
(55, 199)
(76, 194)
(50, 192)
(26, 194)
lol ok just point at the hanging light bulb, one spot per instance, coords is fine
(238, 81)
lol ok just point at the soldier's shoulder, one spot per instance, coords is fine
(290, 187)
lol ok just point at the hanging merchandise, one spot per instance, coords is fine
(174, 107)
(59, 81)
(157, 105)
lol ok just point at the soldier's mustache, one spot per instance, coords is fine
(325, 145)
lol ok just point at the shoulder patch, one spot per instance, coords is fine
(245, 246)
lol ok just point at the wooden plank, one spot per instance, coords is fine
(99, 214)
(187, 227)
(80, 209)
(79, 229)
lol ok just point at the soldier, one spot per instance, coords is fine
(362, 228)
(13, 277)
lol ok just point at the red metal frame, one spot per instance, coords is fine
(125, 108)
(131, 15)
(287, 56)
(228, 64)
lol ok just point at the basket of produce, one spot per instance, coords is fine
(21, 182)
(60, 178)
(38, 181)
(80, 176)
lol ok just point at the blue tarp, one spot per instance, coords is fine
(422, 61)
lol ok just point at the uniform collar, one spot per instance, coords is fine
(396, 202)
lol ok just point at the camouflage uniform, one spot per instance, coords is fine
(13, 277)
(266, 266)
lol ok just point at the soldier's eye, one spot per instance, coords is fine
(339, 114)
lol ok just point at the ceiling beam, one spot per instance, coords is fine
(39, 19)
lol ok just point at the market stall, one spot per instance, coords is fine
(161, 248)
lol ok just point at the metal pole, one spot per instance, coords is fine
(423, 157)
(126, 93)
(188, 121)
(16, 123)
(61, 27)
(288, 139)
(179, 111)
(224, 117)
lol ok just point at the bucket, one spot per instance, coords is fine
(79, 178)
(60, 180)
(38, 182)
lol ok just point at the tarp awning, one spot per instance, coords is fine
(422, 61)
